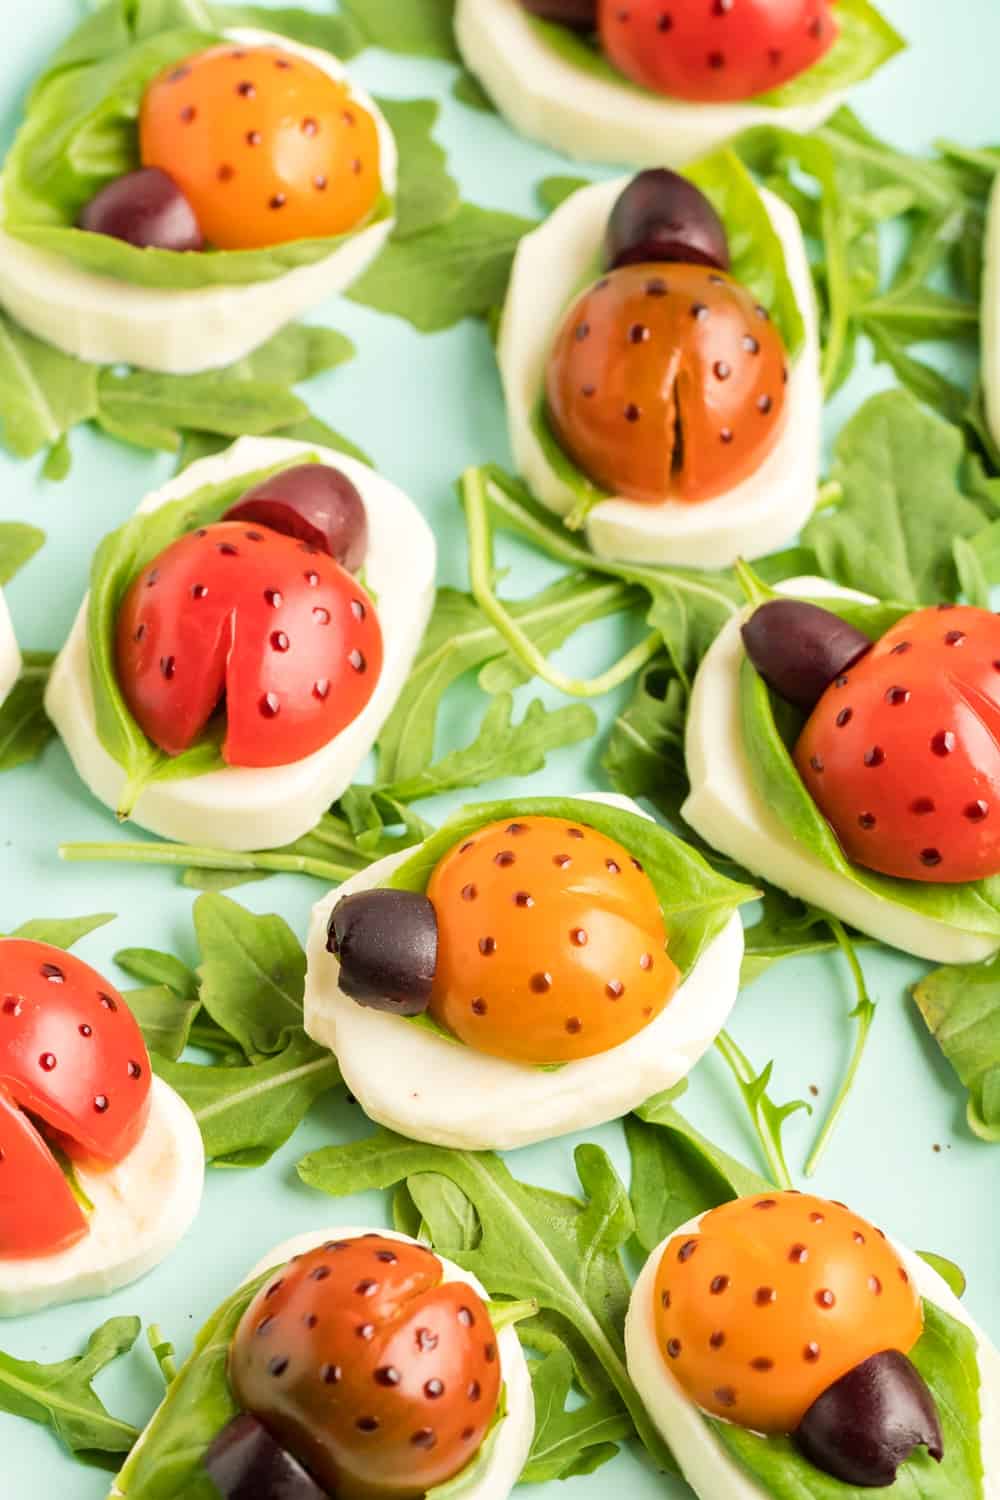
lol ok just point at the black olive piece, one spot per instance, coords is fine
(316, 504)
(146, 209)
(870, 1421)
(799, 649)
(387, 944)
(245, 1463)
(661, 216)
(580, 15)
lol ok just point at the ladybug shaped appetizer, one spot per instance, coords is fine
(664, 80)
(10, 656)
(516, 977)
(873, 732)
(362, 1365)
(101, 1163)
(665, 408)
(253, 641)
(781, 1342)
(265, 185)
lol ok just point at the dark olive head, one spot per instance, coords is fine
(580, 15)
(663, 216)
(245, 1463)
(316, 504)
(387, 944)
(799, 649)
(870, 1421)
(146, 209)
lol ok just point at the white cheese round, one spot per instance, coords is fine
(430, 1089)
(143, 1208)
(706, 1464)
(759, 515)
(991, 314)
(549, 99)
(729, 811)
(510, 1454)
(240, 808)
(106, 321)
(10, 656)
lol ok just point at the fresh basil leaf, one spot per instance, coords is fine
(165, 1018)
(43, 392)
(25, 727)
(570, 1442)
(535, 1243)
(960, 1005)
(947, 1357)
(695, 901)
(61, 1396)
(427, 194)
(61, 932)
(246, 1114)
(252, 974)
(18, 544)
(421, 28)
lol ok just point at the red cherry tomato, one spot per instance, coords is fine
(277, 628)
(712, 51)
(380, 1378)
(73, 1056)
(902, 752)
(265, 146)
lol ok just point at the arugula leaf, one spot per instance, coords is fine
(961, 1008)
(768, 1118)
(454, 270)
(165, 1018)
(163, 1352)
(570, 1442)
(336, 34)
(252, 974)
(18, 544)
(247, 1113)
(421, 28)
(864, 1014)
(644, 756)
(786, 928)
(61, 932)
(469, 91)
(151, 410)
(948, 1359)
(25, 728)
(61, 1396)
(427, 194)
(156, 968)
(564, 1252)
(43, 392)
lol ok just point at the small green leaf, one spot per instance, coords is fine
(18, 544)
(252, 974)
(61, 932)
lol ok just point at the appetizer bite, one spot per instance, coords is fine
(673, 407)
(245, 637)
(250, 179)
(784, 1346)
(101, 1163)
(846, 750)
(360, 1364)
(537, 967)
(10, 655)
(653, 81)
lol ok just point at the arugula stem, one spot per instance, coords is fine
(481, 575)
(750, 1087)
(190, 856)
(864, 1013)
(838, 287)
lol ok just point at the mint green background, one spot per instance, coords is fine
(425, 407)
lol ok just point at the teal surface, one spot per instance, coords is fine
(425, 407)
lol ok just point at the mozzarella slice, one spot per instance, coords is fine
(549, 99)
(143, 1208)
(430, 1089)
(107, 321)
(706, 1465)
(10, 656)
(991, 314)
(513, 1445)
(730, 812)
(239, 808)
(760, 514)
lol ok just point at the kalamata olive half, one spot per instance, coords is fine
(870, 1421)
(387, 944)
(663, 216)
(315, 503)
(581, 15)
(245, 1463)
(145, 208)
(799, 649)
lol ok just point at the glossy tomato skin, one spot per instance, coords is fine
(902, 752)
(379, 1377)
(667, 382)
(715, 51)
(551, 942)
(279, 628)
(266, 147)
(38, 1213)
(772, 1299)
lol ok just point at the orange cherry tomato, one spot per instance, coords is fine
(667, 382)
(772, 1300)
(380, 1378)
(551, 943)
(265, 146)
